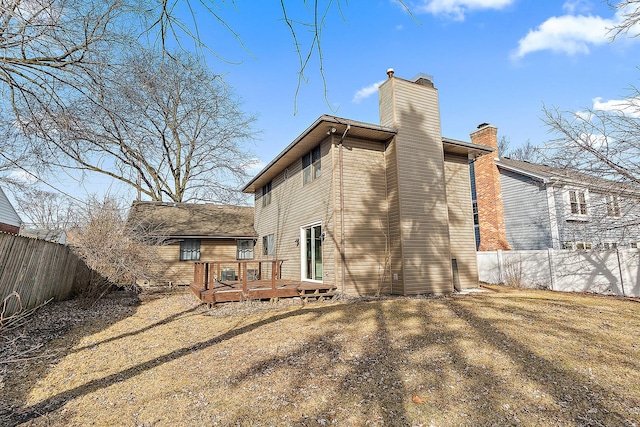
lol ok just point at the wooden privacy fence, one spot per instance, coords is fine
(37, 271)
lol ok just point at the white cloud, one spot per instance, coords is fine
(366, 92)
(456, 9)
(565, 34)
(23, 177)
(629, 107)
(572, 33)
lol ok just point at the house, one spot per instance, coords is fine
(194, 232)
(527, 206)
(372, 208)
(10, 221)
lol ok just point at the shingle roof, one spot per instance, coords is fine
(566, 175)
(193, 220)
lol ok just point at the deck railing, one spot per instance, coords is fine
(208, 274)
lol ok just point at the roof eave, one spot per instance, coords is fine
(280, 162)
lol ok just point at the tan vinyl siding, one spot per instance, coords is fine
(292, 206)
(461, 219)
(421, 190)
(367, 259)
(171, 269)
(395, 244)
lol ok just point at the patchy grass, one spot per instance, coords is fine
(498, 358)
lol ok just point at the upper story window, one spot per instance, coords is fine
(245, 249)
(613, 206)
(311, 167)
(578, 202)
(266, 194)
(190, 250)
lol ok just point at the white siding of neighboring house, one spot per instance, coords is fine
(8, 214)
(526, 212)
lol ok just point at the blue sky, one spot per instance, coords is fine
(495, 61)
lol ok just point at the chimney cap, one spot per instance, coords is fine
(482, 125)
(390, 72)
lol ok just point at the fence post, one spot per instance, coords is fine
(552, 271)
(620, 271)
(500, 266)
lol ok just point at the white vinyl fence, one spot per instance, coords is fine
(604, 272)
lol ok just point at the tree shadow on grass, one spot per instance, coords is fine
(582, 398)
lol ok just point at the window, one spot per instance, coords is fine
(609, 245)
(633, 245)
(578, 202)
(266, 194)
(311, 167)
(268, 245)
(613, 206)
(476, 224)
(245, 249)
(190, 250)
(576, 245)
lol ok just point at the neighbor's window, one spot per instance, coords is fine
(609, 245)
(190, 250)
(245, 249)
(311, 167)
(578, 202)
(268, 246)
(583, 245)
(633, 245)
(613, 206)
(567, 245)
(266, 194)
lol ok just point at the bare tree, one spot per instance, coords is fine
(526, 153)
(601, 143)
(110, 246)
(44, 209)
(629, 11)
(167, 127)
(604, 143)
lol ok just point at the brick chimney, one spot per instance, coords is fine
(488, 192)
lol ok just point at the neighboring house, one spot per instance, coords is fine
(372, 208)
(10, 221)
(194, 232)
(523, 205)
(55, 236)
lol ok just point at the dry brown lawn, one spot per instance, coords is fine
(507, 357)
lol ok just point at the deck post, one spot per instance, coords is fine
(244, 277)
(206, 276)
(259, 270)
(274, 272)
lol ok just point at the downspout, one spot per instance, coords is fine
(342, 239)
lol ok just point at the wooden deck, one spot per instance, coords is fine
(218, 281)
